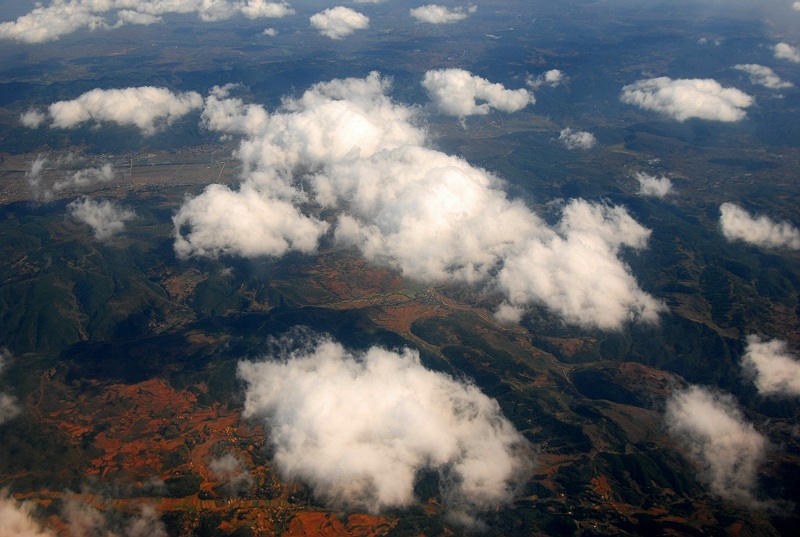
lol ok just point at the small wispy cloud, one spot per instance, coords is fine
(715, 435)
(232, 473)
(763, 76)
(551, 78)
(9, 408)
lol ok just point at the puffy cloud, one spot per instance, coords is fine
(717, 438)
(9, 409)
(48, 23)
(146, 107)
(436, 14)
(773, 368)
(688, 98)
(551, 78)
(32, 118)
(271, 32)
(762, 75)
(456, 92)
(796, 6)
(256, 9)
(785, 51)
(738, 224)
(649, 185)
(17, 519)
(575, 269)
(248, 222)
(338, 22)
(105, 217)
(231, 471)
(358, 428)
(345, 146)
(577, 139)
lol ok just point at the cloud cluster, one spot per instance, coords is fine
(773, 368)
(146, 108)
(713, 430)
(232, 473)
(346, 147)
(785, 51)
(738, 224)
(763, 76)
(9, 409)
(106, 218)
(649, 185)
(17, 520)
(338, 22)
(576, 139)
(358, 428)
(551, 78)
(682, 99)
(456, 92)
(63, 17)
(436, 14)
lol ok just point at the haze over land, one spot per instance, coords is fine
(399, 268)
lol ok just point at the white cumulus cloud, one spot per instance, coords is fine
(457, 92)
(576, 139)
(738, 224)
(258, 9)
(105, 217)
(344, 146)
(436, 14)
(146, 108)
(773, 368)
(785, 51)
(551, 78)
(338, 22)
(683, 99)
(575, 269)
(649, 185)
(727, 449)
(358, 427)
(763, 76)
(247, 222)
(32, 118)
